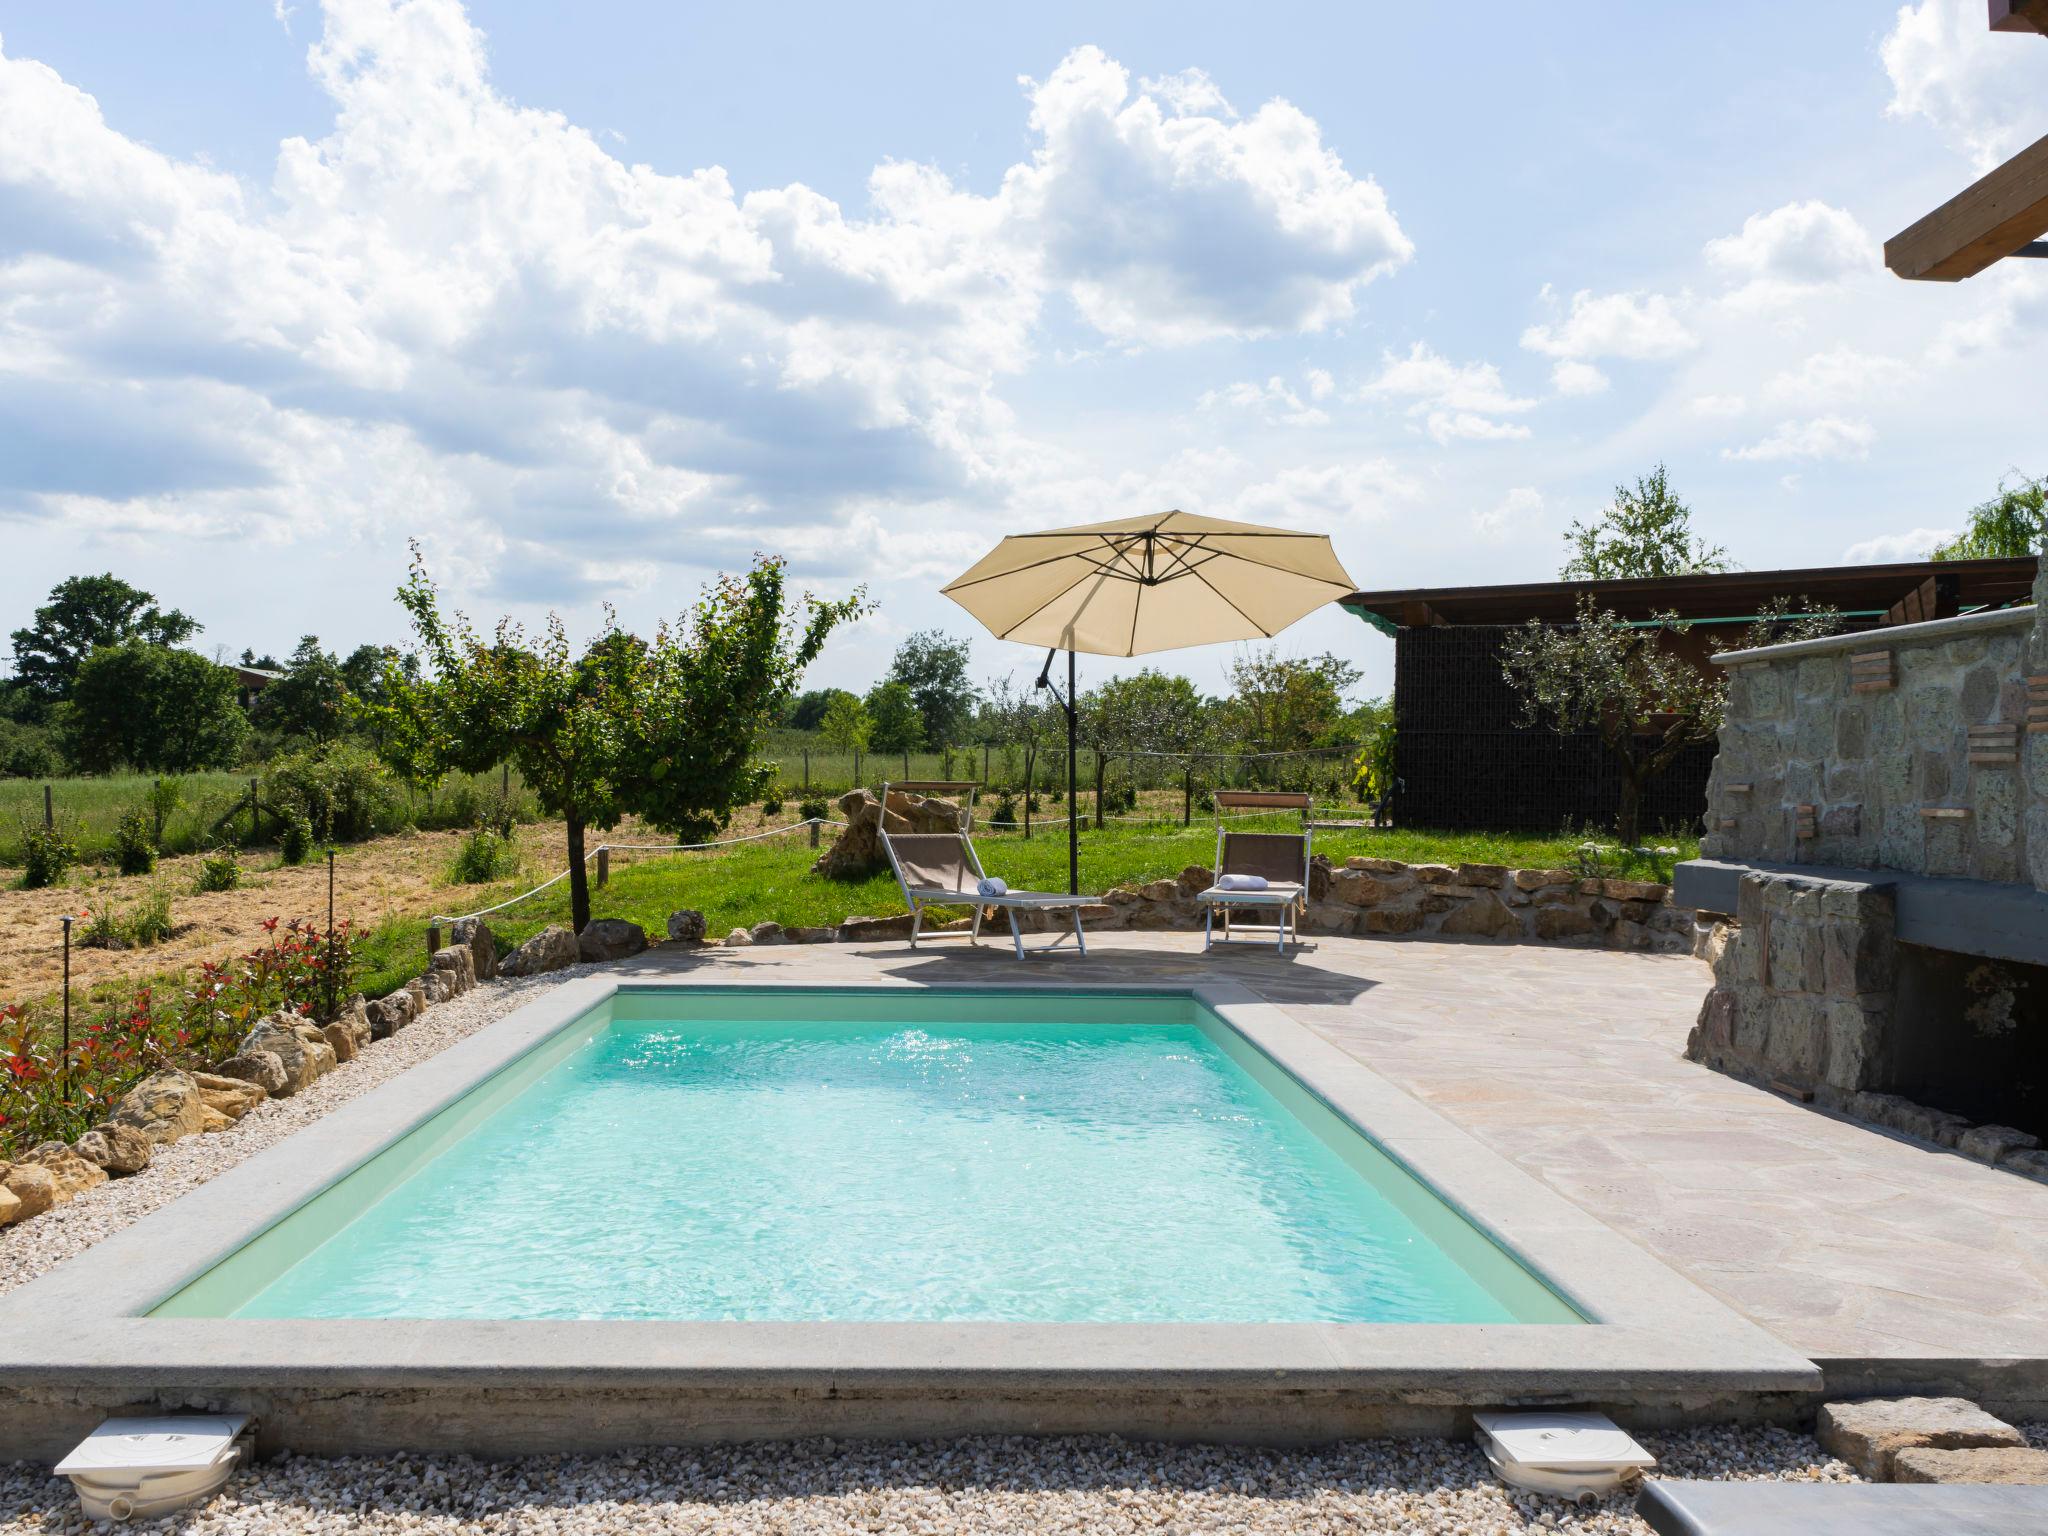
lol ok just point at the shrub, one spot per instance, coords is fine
(150, 922)
(47, 1092)
(814, 810)
(46, 854)
(1205, 801)
(165, 797)
(484, 856)
(1031, 802)
(1005, 806)
(219, 871)
(771, 807)
(295, 837)
(1119, 799)
(101, 929)
(341, 789)
(26, 752)
(134, 846)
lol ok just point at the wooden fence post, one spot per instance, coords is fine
(814, 834)
(255, 815)
(1187, 795)
(604, 866)
(49, 811)
(807, 769)
(433, 940)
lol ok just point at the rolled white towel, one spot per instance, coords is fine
(991, 886)
(1241, 883)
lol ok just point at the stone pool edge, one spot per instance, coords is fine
(72, 1347)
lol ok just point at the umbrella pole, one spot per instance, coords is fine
(1073, 816)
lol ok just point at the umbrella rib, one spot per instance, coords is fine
(1222, 554)
(1018, 570)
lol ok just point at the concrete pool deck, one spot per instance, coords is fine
(1496, 1070)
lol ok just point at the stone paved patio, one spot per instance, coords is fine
(1847, 1243)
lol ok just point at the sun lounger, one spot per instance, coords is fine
(941, 869)
(1281, 859)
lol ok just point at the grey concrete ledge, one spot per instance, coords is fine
(1970, 917)
(1892, 637)
(75, 1344)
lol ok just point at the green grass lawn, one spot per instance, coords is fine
(771, 880)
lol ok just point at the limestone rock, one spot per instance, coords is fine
(686, 926)
(1481, 917)
(232, 1095)
(2033, 1164)
(549, 950)
(163, 1106)
(416, 989)
(435, 987)
(1160, 890)
(357, 1017)
(33, 1188)
(341, 1040)
(770, 933)
(857, 850)
(301, 1050)
(1376, 866)
(1363, 888)
(1538, 879)
(71, 1173)
(483, 945)
(1195, 879)
(10, 1207)
(1390, 920)
(1869, 1434)
(1992, 1464)
(1434, 874)
(857, 930)
(740, 938)
(1121, 896)
(119, 1149)
(260, 1068)
(1994, 1143)
(810, 935)
(388, 1015)
(610, 938)
(1633, 890)
(1493, 875)
(1563, 922)
(456, 962)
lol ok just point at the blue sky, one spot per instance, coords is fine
(592, 300)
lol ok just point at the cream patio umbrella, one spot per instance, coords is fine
(1142, 584)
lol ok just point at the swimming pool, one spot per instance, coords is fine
(775, 1155)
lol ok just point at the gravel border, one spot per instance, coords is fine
(43, 1242)
(1082, 1485)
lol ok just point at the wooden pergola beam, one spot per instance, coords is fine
(2019, 16)
(1985, 222)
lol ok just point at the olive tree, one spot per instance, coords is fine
(1643, 532)
(1645, 699)
(663, 728)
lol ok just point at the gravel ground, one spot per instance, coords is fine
(47, 1240)
(1093, 1485)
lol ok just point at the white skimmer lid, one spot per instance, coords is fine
(176, 1440)
(1566, 1441)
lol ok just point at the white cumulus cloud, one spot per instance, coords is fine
(1275, 401)
(1793, 250)
(1514, 511)
(1890, 548)
(1839, 374)
(1452, 400)
(1639, 326)
(1978, 88)
(1821, 437)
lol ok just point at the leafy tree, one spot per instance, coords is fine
(1626, 682)
(1029, 718)
(310, 700)
(664, 728)
(2013, 523)
(26, 751)
(808, 712)
(933, 666)
(362, 670)
(264, 663)
(1288, 704)
(1372, 771)
(84, 613)
(1147, 712)
(154, 708)
(894, 722)
(1644, 532)
(845, 723)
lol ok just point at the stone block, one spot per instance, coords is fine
(1121, 896)
(1868, 1435)
(811, 935)
(1991, 1464)
(1391, 920)
(856, 930)
(1634, 890)
(1490, 876)
(1376, 866)
(610, 938)
(458, 963)
(1195, 879)
(120, 1149)
(686, 926)
(1855, 1044)
(1542, 879)
(740, 938)
(774, 933)
(1857, 958)
(1852, 733)
(1564, 922)
(1434, 874)
(2033, 1165)
(1481, 917)
(1160, 890)
(483, 945)
(1994, 1143)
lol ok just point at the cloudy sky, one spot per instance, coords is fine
(593, 300)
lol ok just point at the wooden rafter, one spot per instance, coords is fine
(1985, 222)
(2019, 16)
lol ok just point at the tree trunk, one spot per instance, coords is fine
(579, 877)
(1030, 759)
(1628, 820)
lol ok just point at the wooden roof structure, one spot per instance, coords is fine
(1871, 595)
(2002, 213)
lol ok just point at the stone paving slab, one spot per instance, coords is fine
(1847, 1243)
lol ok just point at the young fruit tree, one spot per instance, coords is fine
(663, 728)
(1644, 697)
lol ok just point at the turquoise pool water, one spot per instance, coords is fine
(862, 1157)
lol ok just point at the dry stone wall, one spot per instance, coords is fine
(1923, 749)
